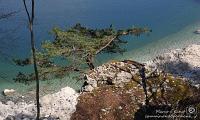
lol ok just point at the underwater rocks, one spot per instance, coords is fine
(197, 31)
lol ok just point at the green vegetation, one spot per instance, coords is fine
(126, 102)
(78, 46)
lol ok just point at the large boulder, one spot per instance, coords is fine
(112, 73)
(61, 104)
(165, 93)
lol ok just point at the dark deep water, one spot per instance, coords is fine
(164, 17)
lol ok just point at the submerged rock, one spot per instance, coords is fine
(197, 31)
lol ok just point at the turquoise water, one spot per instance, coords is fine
(172, 22)
(177, 40)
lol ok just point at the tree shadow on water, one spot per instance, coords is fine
(183, 69)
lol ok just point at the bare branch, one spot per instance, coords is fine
(6, 15)
(111, 40)
(27, 12)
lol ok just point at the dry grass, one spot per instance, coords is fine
(109, 103)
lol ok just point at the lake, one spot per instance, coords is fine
(172, 21)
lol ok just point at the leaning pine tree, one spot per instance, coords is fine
(78, 46)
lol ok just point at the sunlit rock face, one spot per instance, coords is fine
(182, 62)
(58, 105)
(115, 87)
(112, 73)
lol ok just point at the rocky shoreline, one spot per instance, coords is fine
(182, 63)
(59, 105)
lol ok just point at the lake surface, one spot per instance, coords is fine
(172, 22)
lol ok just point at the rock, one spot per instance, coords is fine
(61, 104)
(103, 110)
(120, 108)
(112, 73)
(9, 92)
(9, 118)
(91, 81)
(122, 77)
(180, 62)
(10, 103)
(88, 88)
(197, 86)
(197, 31)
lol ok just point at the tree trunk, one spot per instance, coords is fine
(36, 72)
(31, 21)
(89, 62)
(35, 63)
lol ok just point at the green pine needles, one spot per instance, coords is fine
(78, 46)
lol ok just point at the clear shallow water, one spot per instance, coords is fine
(172, 22)
(178, 40)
